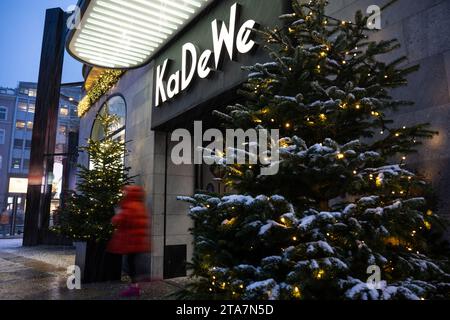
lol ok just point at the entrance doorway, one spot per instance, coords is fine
(15, 208)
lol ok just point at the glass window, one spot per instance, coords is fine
(20, 125)
(3, 114)
(31, 108)
(32, 92)
(30, 125)
(1, 162)
(23, 106)
(64, 111)
(114, 106)
(74, 112)
(28, 144)
(62, 130)
(16, 162)
(2, 136)
(26, 164)
(18, 143)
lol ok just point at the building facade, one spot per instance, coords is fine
(15, 151)
(150, 116)
(8, 101)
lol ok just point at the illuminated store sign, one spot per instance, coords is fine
(227, 40)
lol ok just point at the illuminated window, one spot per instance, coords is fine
(64, 111)
(31, 108)
(30, 125)
(32, 93)
(20, 125)
(2, 136)
(23, 106)
(16, 163)
(3, 114)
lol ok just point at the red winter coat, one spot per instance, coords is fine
(132, 224)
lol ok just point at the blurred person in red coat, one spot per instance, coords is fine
(132, 235)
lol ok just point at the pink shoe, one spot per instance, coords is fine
(131, 292)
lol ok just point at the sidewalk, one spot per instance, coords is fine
(40, 274)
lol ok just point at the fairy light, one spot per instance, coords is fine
(297, 293)
(379, 182)
(340, 156)
(358, 106)
(320, 274)
(294, 238)
(287, 125)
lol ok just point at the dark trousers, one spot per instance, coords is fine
(132, 267)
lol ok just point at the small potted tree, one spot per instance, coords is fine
(86, 215)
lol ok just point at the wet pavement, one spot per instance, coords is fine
(41, 274)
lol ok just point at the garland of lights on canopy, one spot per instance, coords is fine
(124, 34)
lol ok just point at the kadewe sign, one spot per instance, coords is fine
(206, 59)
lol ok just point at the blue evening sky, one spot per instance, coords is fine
(21, 30)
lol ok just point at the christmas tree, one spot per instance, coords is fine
(343, 205)
(86, 215)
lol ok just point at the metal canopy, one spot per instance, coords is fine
(126, 34)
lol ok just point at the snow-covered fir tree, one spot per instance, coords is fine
(343, 202)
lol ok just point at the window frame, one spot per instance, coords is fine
(5, 110)
(3, 136)
(104, 104)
